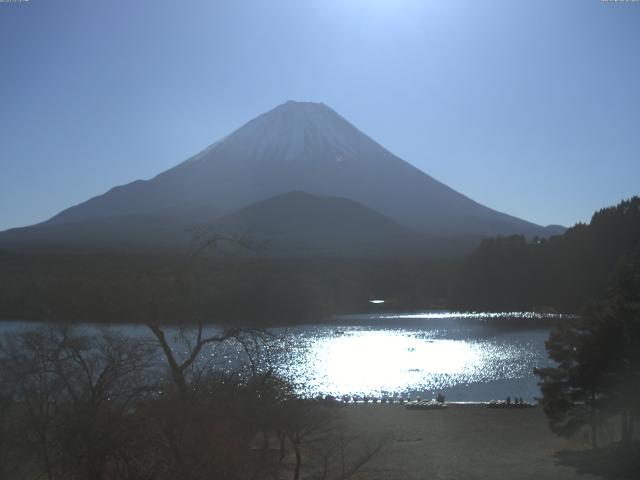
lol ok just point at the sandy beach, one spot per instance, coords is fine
(461, 442)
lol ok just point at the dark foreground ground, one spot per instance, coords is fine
(462, 442)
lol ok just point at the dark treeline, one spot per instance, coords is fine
(226, 290)
(560, 273)
(110, 407)
(502, 274)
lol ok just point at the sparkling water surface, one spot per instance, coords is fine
(466, 357)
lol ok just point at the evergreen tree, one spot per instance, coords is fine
(561, 273)
(597, 356)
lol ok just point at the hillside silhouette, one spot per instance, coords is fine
(560, 273)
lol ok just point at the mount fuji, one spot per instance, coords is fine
(296, 147)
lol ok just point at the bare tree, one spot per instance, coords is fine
(343, 454)
(73, 394)
(179, 367)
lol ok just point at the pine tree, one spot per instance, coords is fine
(597, 357)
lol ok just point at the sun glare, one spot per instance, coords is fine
(354, 362)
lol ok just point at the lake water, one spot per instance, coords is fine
(466, 357)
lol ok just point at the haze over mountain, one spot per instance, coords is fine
(298, 223)
(297, 146)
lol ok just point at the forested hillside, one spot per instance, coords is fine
(561, 273)
(232, 291)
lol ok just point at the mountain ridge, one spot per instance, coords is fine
(302, 223)
(307, 147)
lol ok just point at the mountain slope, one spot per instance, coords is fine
(295, 223)
(162, 230)
(306, 147)
(298, 223)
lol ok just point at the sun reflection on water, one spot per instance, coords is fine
(392, 361)
(383, 361)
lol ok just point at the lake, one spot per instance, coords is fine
(466, 357)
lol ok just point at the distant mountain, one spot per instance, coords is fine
(297, 146)
(294, 223)
(304, 224)
(162, 230)
(553, 230)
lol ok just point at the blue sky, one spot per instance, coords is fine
(529, 107)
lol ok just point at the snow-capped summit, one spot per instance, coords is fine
(306, 147)
(289, 131)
